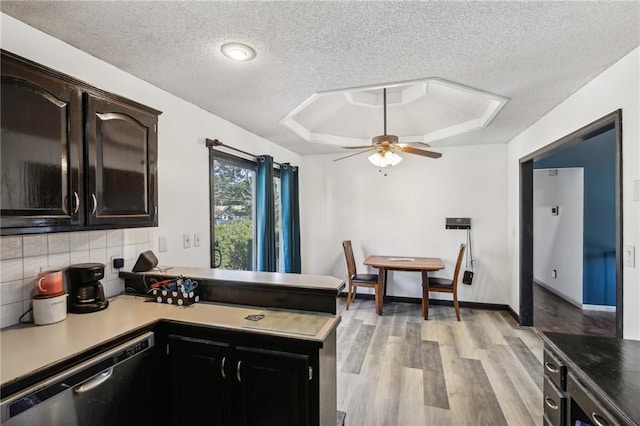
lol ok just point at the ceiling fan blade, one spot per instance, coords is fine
(358, 147)
(414, 144)
(357, 153)
(421, 152)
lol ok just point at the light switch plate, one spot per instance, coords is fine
(162, 243)
(186, 240)
(630, 256)
(196, 239)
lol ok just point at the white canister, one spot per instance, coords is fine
(48, 310)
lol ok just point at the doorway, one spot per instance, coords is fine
(602, 263)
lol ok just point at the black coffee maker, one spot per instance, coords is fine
(86, 293)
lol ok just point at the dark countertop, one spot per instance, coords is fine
(608, 366)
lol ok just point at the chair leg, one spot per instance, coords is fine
(455, 305)
(349, 296)
(378, 298)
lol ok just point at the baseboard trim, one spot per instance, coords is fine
(514, 314)
(557, 293)
(602, 308)
(463, 304)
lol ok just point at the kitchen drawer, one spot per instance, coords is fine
(555, 369)
(555, 404)
(591, 407)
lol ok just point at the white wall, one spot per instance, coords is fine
(183, 175)
(404, 214)
(558, 240)
(617, 87)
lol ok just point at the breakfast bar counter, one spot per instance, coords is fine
(305, 292)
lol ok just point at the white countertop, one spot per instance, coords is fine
(307, 281)
(27, 349)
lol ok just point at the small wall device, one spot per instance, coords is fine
(458, 223)
(146, 261)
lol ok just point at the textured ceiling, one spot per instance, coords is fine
(534, 53)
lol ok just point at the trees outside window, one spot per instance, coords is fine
(233, 214)
(234, 218)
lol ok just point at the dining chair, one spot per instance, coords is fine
(360, 280)
(444, 285)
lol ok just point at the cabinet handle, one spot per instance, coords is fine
(76, 202)
(550, 403)
(238, 372)
(599, 420)
(551, 367)
(224, 359)
(94, 203)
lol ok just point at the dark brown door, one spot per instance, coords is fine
(41, 150)
(274, 388)
(121, 167)
(198, 387)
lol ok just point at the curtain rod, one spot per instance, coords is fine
(212, 143)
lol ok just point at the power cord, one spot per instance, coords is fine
(23, 315)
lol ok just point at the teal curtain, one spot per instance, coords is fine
(290, 209)
(265, 216)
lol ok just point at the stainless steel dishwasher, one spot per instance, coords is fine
(112, 388)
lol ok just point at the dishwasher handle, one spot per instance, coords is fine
(94, 381)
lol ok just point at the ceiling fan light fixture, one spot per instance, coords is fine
(378, 160)
(389, 158)
(238, 51)
(392, 158)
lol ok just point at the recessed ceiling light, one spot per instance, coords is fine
(238, 51)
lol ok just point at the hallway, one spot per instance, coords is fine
(552, 313)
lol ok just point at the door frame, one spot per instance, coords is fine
(526, 213)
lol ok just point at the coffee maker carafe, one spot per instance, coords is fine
(86, 293)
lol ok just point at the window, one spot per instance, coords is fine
(233, 222)
(233, 213)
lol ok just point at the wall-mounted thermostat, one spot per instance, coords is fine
(555, 210)
(458, 223)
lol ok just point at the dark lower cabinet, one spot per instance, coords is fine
(198, 385)
(590, 380)
(273, 388)
(223, 380)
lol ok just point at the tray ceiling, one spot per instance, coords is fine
(535, 54)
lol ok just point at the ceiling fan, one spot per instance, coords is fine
(387, 146)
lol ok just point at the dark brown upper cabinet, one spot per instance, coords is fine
(41, 149)
(73, 157)
(121, 152)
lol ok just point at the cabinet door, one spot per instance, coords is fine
(121, 152)
(40, 150)
(199, 394)
(273, 388)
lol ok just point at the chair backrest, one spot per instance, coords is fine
(348, 256)
(456, 273)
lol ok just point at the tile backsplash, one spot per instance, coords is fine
(22, 257)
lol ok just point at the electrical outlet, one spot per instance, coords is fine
(162, 244)
(186, 240)
(117, 262)
(196, 239)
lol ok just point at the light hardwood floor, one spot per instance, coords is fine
(401, 370)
